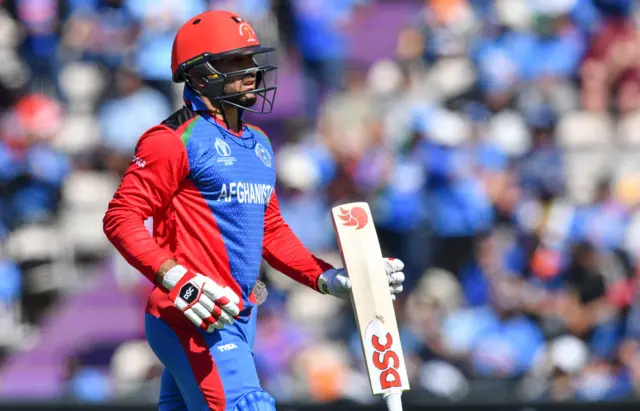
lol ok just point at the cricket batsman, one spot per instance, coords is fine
(207, 179)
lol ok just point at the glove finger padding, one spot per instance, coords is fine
(207, 303)
(395, 289)
(203, 302)
(217, 326)
(391, 265)
(206, 315)
(195, 318)
(232, 309)
(216, 313)
(223, 316)
(224, 298)
(395, 278)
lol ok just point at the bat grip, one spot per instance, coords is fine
(394, 402)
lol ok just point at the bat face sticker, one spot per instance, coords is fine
(355, 217)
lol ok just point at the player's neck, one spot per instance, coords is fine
(230, 116)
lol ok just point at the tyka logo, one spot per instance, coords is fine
(354, 217)
(189, 293)
(383, 355)
(227, 347)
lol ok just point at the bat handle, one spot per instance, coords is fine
(394, 402)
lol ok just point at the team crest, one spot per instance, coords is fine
(263, 155)
(224, 151)
(245, 28)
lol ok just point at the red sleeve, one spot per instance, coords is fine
(159, 165)
(283, 250)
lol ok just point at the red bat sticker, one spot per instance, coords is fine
(355, 217)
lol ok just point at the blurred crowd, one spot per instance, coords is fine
(499, 149)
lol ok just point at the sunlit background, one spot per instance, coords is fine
(498, 143)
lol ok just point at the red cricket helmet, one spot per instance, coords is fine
(217, 35)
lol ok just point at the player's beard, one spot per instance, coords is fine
(247, 99)
(244, 100)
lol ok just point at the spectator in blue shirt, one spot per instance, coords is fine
(320, 28)
(603, 223)
(33, 172)
(557, 50)
(459, 206)
(102, 31)
(396, 182)
(496, 338)
(159, 22)
(42, 22)
(541, 170)
(137, 106)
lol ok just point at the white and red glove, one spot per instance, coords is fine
(205, 303)
(337, 283)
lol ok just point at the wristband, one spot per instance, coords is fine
(173, 276)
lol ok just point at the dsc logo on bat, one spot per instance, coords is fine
(382, 354)
(387, 361)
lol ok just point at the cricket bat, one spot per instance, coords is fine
(371, 300)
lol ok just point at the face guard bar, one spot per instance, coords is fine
(200, 74)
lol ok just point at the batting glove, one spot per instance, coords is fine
(205, 303)
(336, 282)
